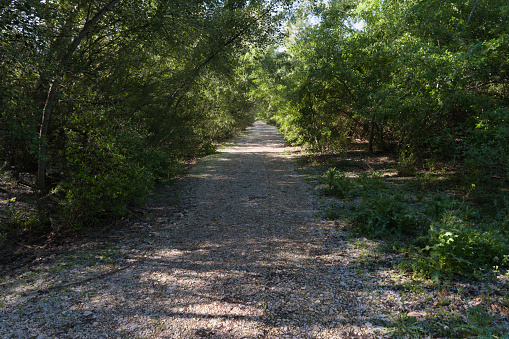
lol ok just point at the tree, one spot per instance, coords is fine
(419, 76)
(127, 90)
(53, 88)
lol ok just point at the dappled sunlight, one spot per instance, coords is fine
(245, 259)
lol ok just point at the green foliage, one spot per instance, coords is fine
(333, 211)
(407, 163)
(439, 204)
(486, 147)
(107, 174)
(475, 322)
(449, 236)
(370, 183)
(338, 184)
(150, 85)
(398, 83)
(478, 322)
(381, 215)
(19, 222)
(456, 246)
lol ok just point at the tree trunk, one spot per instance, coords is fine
(371, 135)
(472, 13)
(43, 133)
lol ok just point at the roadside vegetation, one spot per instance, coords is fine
(443, 246)
(100, 101)
(423, 86)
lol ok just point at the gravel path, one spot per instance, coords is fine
(247, 258)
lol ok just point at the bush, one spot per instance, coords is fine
(343, 187)
(382, 215)
(458, 247)
(338, 184)
(370, 182)
(486, 147)
(108, 174)
(439, 204)
(27, 222)
(406, 166)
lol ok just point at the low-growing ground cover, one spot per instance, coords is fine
(435, 245)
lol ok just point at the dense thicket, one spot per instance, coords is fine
(426, 78)
(100, 99)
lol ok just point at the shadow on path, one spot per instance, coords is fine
(247, 260)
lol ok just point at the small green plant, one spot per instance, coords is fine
(343, 187)
(407, 164)
(332, 212)
(338, 184)
(459, 247)
(19, 221)
(479, 317)
(438, 204)
(370, 182)
(427, 180)
(382, 214)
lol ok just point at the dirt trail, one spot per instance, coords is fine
(249, 258)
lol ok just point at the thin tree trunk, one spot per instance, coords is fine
(472, 13)
(371, 135)
(43, 133)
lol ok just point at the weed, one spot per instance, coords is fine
(332, 212)
(438, 204)
(370, 182)
(338, 184)
(382, 215)
(19, 222)
(408, 327)
(459, 247)
(407, 163)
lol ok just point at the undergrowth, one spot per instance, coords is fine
(448, 235)
(435, 230)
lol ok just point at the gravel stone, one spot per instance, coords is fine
(247, 256)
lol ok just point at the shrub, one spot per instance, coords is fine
(439, 203)
(382, 215)
(343, 187)
(370, 182)
(333, 212)
(458, 247)
(21, 221)
(108, 174)
(486, 147)
(406, 166)
(338, 184)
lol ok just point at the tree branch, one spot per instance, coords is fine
(472, 13)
